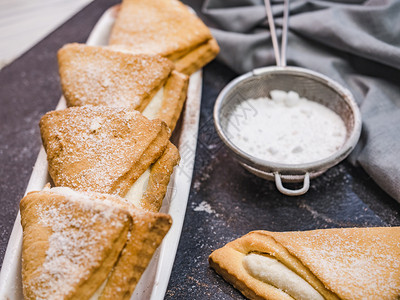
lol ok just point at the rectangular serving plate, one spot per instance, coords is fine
(154, 281)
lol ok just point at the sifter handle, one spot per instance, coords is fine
(288, 192)
(279, 57)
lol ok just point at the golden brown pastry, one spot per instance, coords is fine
(347, 263)
(160, 174)
(164, 27)
(147, 234)
(173, 98)
(94, 75)
(101, 149)
(70, 243)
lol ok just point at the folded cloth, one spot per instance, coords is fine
(355, 42)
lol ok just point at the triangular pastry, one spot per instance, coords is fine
(147, 233)
(101, 149)
(167, 28)
(350, 263)
(94, 75)
(70, 243)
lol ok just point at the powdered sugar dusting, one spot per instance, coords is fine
(163, 27)
(355, 264)
(96, 124)
(74, 241)
(98, 76)
(91, 148)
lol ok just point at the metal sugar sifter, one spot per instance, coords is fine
(309, 84)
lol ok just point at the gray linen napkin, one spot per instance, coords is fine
(357, 43)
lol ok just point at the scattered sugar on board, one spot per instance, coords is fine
(73, 241)
(286, 128)
(204, 206)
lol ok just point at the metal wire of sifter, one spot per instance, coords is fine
(309, 84)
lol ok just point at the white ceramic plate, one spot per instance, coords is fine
(154, 280)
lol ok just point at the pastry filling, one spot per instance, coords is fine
(152, 109)
(137, 190)
(98, 292)
(273, 272)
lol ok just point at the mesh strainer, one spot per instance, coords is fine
(306, 83)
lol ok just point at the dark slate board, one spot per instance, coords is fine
(225, 200)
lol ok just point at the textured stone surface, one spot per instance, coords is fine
(225, 200)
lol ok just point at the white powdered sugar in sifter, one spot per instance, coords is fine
(308, 84)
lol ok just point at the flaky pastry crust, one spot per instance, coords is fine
(174, 97)
(346, 263)
(94, 75)
(165, 27)
(160, 174)
(101, 149)
(69, 245)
